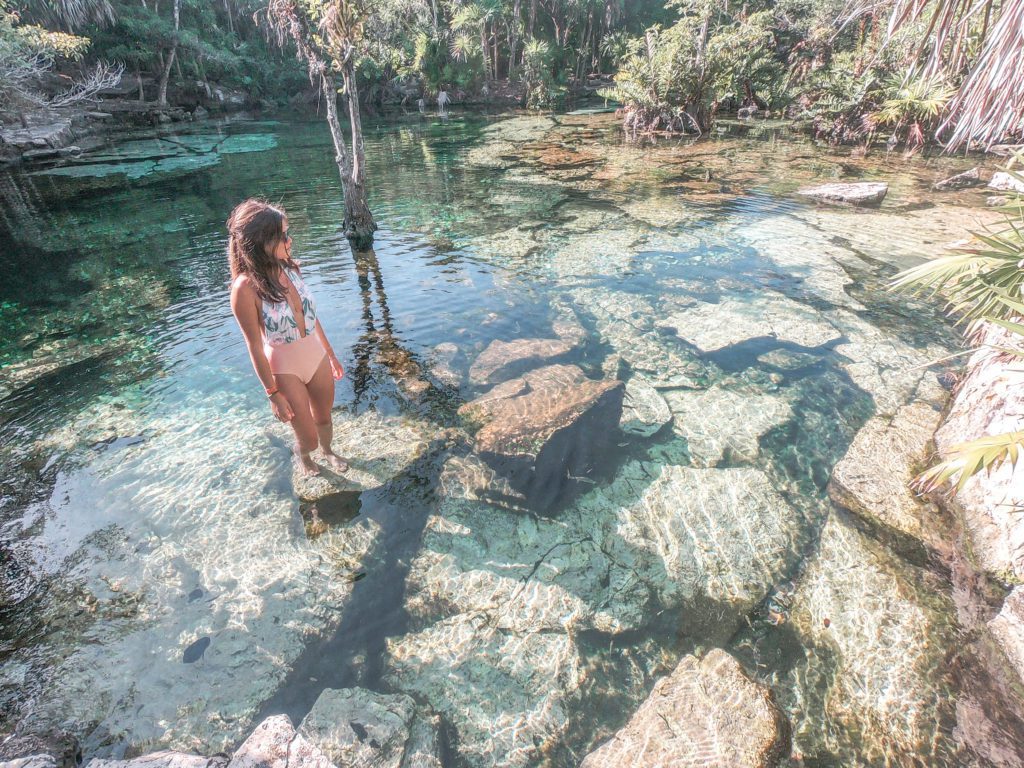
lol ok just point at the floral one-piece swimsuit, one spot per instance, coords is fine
(288, 351)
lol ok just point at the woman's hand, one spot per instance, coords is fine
(336, 368)
(282, 410)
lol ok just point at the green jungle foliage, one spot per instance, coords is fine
(903, 71)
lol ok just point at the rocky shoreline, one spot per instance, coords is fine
(976, 534)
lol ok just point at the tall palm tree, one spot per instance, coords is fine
(989, 103)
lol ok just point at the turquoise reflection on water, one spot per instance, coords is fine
(144, 466)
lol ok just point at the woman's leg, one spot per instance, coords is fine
(321, 401)
(306, 438)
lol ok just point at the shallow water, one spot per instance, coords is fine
(164, 586)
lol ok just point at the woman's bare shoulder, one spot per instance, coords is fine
(243, 285)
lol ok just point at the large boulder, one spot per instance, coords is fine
(357, 728)
(1007, 629)
(971, 178)
(873, 478)
(502, 360)
(876, 633)
(717, 537)
(545, 428)
(735, 319)
(988, 403)
(1006, 182)
(852, 193)
(275, 744)
(707, 712)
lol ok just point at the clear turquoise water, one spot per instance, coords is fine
(140, 465)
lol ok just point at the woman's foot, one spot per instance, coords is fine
(307, 466)
(338, 464)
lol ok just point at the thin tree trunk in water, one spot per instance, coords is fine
(483, 50)
(359, 223)
(533, 17)
(166, 74)
(513, 37)
(497, 57)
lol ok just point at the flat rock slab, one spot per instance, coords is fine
(644, 410)
(502, 360)
(708, 712)
(873, 478)
(275, 744)
(163, 759)
(377, 447)
(721, 424)
(357, 728)
(711, 327)
(852, 193)
(545, 427)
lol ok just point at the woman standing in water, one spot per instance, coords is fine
(277, 315)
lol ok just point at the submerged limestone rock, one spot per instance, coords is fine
(971, 178)
(722, 536)
(711, 327)
(507, 695)
(377, 447)
(881, 363)
(502, 360)
(873, 478)
(498, 600)
(644, 410)
(523, 573)
(202, 589)
(872, 689)
(275, 744)
(548, 426)
(357, 728)
(854, 193)
(626, 322)
(707, 712)
(989, 402)
(721, 424)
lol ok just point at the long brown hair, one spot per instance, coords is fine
(255, 228)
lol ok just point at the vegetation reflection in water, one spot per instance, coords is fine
(148, 506)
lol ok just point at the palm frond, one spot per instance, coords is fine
(967, 459)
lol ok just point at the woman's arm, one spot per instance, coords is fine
(336, 369)
(243, 306)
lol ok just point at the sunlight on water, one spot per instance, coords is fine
(168, 581)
